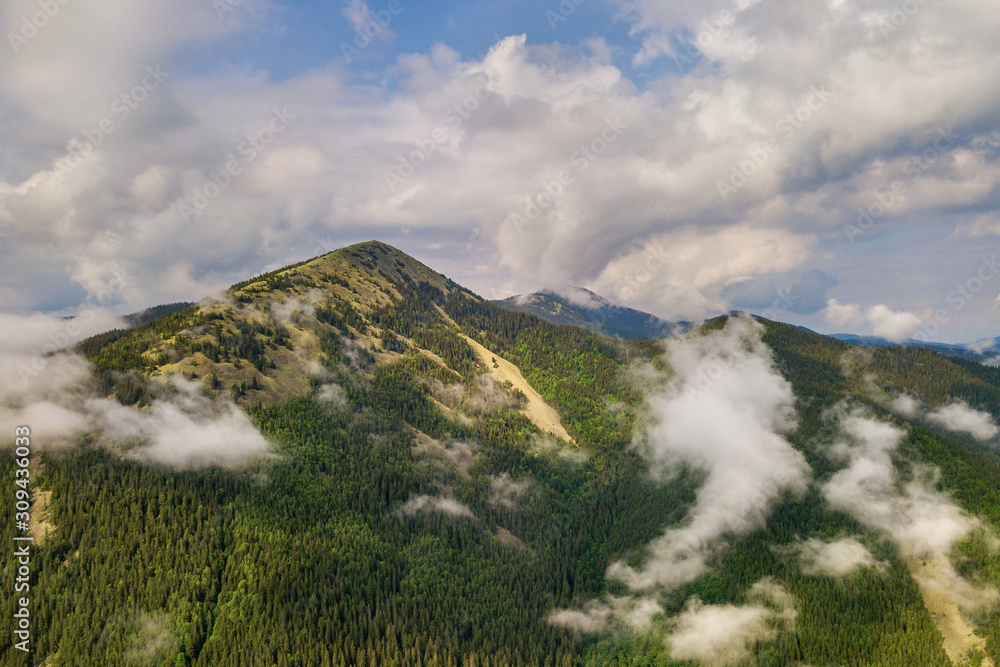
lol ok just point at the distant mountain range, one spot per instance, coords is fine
(984, 351)
(594, 312)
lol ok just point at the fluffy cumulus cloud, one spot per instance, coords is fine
(723, 412)
(880, 319)
(906, 405)
(744, 158)
(920, 519)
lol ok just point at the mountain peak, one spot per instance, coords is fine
(368, 270)
(580, 307)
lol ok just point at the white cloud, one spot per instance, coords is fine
(723, 412)
(960, 417)
(42, 334)
(185, 430)
(892, 325)
(957, 416)
(718, 635)
(593, 619)
(683, 272)
(51, 389)
(45, 380)
(920, 519)
(51, 424)
(884, 322)
(427, 503)
(907, 405)
(634, 613)
(844, 314)
(923, 522)
(838, 558)
(334, 395)
(508, 492)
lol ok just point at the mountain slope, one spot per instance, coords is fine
(592, 312)
(411, 511)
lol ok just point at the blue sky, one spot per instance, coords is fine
(832, 163)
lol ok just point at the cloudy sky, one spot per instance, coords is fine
(833, 163)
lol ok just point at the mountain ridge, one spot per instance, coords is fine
(594, 312)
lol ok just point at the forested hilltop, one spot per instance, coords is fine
(448, 483)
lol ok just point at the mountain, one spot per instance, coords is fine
(982, 351)
(593, 312)
(416, 476)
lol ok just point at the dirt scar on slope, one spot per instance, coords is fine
(540, 413)
(959, 636)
